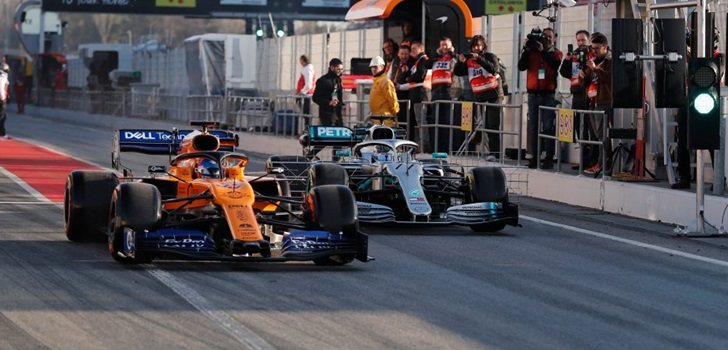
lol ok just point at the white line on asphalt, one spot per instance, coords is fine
(628, 241)
(242, 334)
(28, 203)
(24, 185)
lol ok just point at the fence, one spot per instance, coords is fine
(579, 139)
(116, 103)
(471, 135)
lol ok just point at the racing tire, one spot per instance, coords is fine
(331, 208)
(487, 184)
(86, 204)
(134, 208)
(322, 174)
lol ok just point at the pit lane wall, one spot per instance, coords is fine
(631, 199)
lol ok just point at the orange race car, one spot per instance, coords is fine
(206, 207)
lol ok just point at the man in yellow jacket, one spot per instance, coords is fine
(383, 96)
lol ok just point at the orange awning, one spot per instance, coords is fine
(370, 9)
(381, 9)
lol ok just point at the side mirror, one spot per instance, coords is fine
(157, 169)
(276, 171)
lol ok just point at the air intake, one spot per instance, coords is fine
(205, 142)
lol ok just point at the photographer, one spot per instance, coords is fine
(481, 67)
(442, 66)
(541, 59)
(599, 92)
(572, 68)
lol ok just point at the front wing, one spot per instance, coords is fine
(198, 245)
(466, 214)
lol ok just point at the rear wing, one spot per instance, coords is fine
(149, 141)
(321, 136)
(161, 142)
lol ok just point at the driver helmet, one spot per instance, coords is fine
(208, 169)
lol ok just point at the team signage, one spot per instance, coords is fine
(281, 9)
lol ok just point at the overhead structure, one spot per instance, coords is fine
(426, 21)
(328, 10)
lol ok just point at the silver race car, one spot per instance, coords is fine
(392, 186)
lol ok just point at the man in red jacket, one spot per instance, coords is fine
(541, 60)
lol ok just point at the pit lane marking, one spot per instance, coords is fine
(686, 255)
(27, 203)
(242, 334)
(32, 191)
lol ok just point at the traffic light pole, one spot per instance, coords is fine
(700, 175)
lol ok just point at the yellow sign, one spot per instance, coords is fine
(177, 3)
(466, 121)
(566, 125)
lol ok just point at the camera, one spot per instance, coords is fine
(534, 38)
(582, 55)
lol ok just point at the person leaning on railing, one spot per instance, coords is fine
(541, 59)
(382, 98)
(481, 68)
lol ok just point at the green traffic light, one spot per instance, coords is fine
(704, 103)
(259, 32)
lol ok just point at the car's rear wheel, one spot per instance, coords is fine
(86, 204)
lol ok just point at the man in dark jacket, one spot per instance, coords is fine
(481, 68)
(442, 66)
(572, 68)
(398, 76)
(541, 59)
(328, 95)
(416, 85)
(599, 92)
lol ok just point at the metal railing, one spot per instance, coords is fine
(579, 139)
(115, 103)
(454, 128)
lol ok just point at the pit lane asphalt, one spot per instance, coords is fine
(430, 288)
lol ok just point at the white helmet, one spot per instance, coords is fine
(376, 61)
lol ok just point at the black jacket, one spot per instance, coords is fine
(565, 70)
(489, 61)
(326, 87)
(417, 75)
